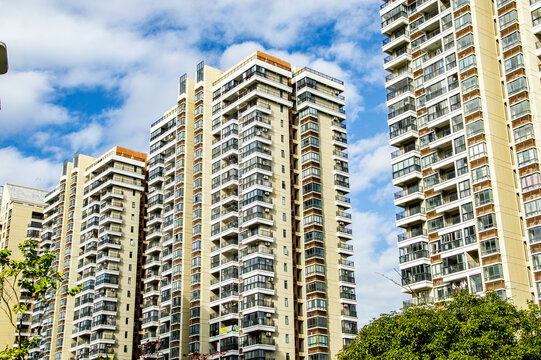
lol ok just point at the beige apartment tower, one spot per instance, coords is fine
(94, 221)
(463, 93)
(21, 216)
(247, 238)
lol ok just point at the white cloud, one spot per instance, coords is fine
(376, 253)
(25, 102)
(27, 170)
(369, 162)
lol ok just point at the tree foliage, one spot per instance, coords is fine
(469, 327)
(23, 282)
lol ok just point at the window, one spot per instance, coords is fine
(533, 208)
(464, 42)
(309, 126)
(406, 166)
(428, 160)
(477, 151)
(513, 63)
(520, 109)
(433, 202)
(475, 128)
(318, 340)
(310, 156)
(480, 174)
(464, 189)
(316, 304)
(460, 145)
(493, 272)
(431, 180)
(435, 224)
(489, 246)
(510, 40)
(530, 182)
(314, 269)
(467, 212)
(313, 220)
(311, 171)
(466, 63)
(483, 197)
(472, 106)
(470, 84)
(508, 19)
(527, 157)
(486, 222)
(523, 133)
(463, 21)
(516, 86)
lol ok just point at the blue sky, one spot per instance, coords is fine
(88, 75)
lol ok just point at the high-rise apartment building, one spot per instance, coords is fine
(246, 252)
(94, 224)
(21, 215)
(463, 92)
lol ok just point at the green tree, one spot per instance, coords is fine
(23, 282)
(469, 327)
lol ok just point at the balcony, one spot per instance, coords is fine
(406, 236)
(413, 215)
(415, 255)
(416, 278)
(408, 194)
(394, 22)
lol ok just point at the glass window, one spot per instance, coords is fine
(480, 174)
(475, 128)
(487, 221)
(483, 197)
(464, 42)
(527, 157)
(517, 85)
(520, 109)
(472, 106)
(513, 63)
(470, 84)
(510, 40)
(489, 246)
(533, 208)
(463, 21)
(530, 182)
(467, 63)
(493, 272)
(477, 151)
(508, 19)
(523, 133)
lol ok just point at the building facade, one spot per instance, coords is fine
(94, 221)
(462, 94)
(246, 252)
(21, 215)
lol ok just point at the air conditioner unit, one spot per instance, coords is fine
(264, 129)
(269, 315)
(267, 243)
(341, 223)
(268, 334)
(267, 210)
(335, 118)
(266, 177)
(267, 193)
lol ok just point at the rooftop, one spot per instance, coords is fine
(24, 194)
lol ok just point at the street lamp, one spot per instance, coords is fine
(3, 58)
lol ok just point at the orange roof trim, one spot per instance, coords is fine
(273, 60)
(131, 154)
